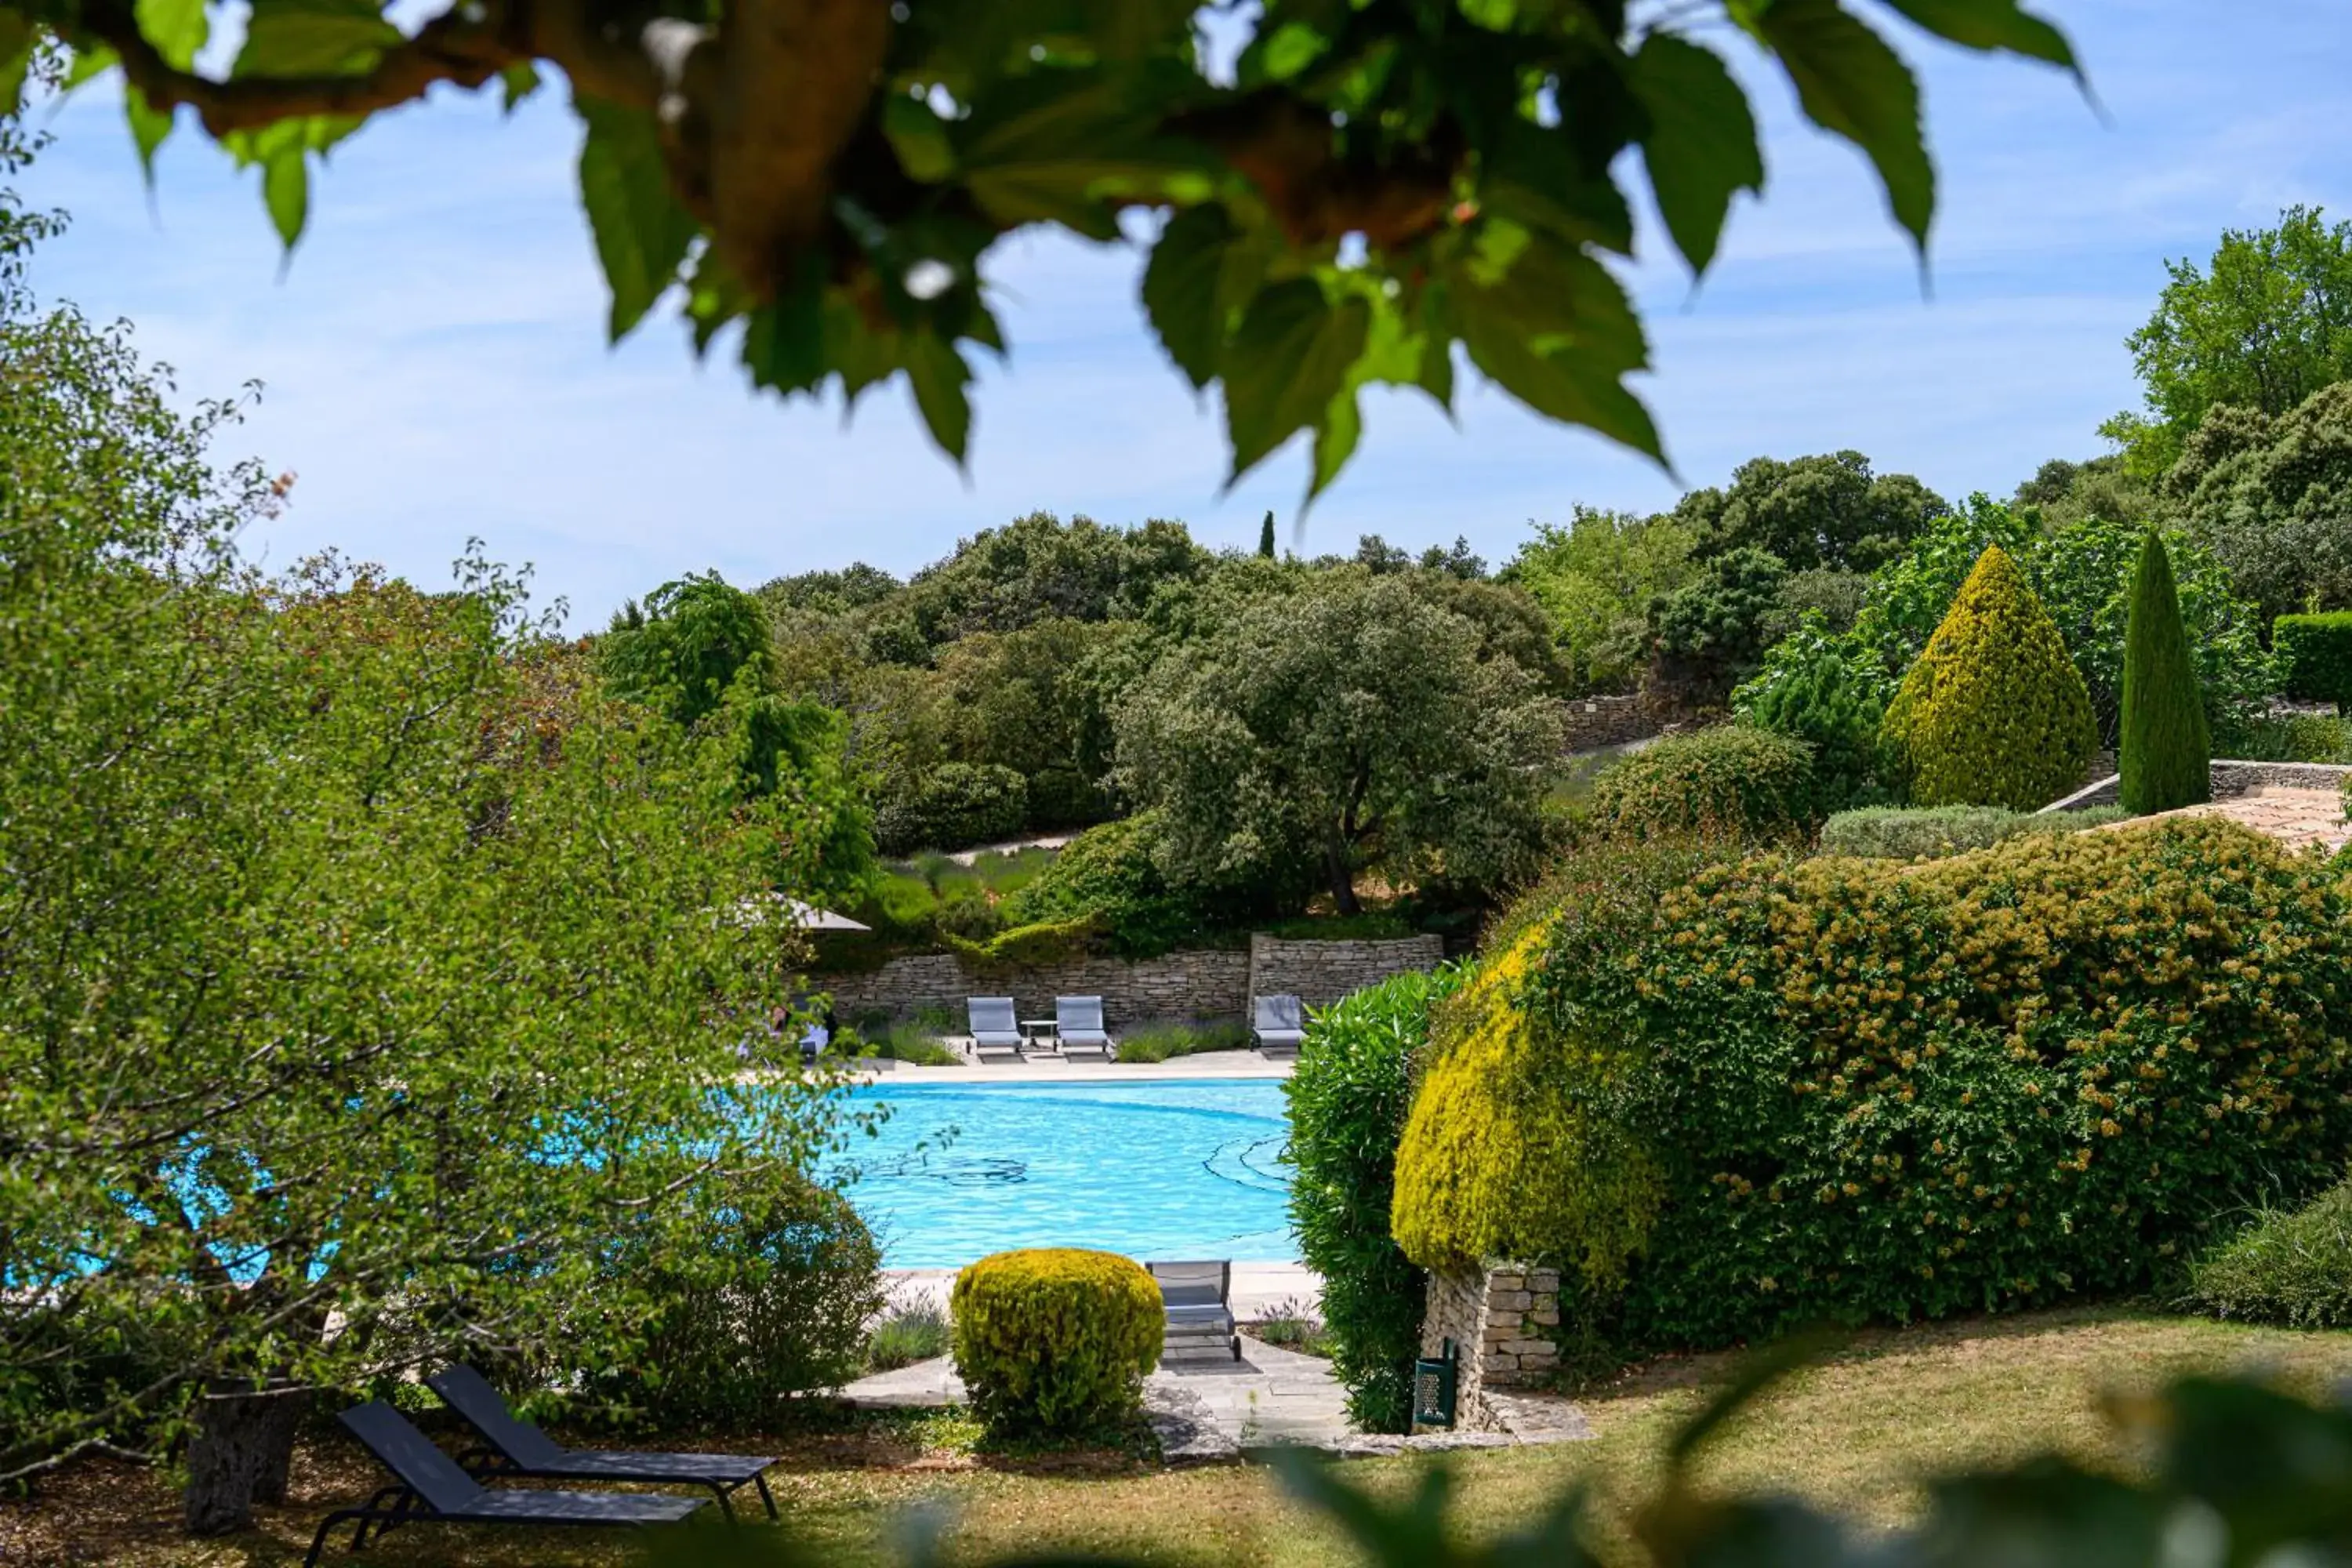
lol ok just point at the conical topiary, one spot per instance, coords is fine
(1994, 713)
(1266, 536)
(2167, 752)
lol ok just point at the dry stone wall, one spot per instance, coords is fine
(1197, 983)
(2229, 778)
(1588, 722)
(1504, 1321)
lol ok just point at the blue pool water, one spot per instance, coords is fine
(1190, 1169)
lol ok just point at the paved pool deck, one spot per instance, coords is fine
(1259, 1289)
(1047, 1067)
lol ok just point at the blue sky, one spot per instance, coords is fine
(434, 365)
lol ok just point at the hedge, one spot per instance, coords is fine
(1731, 779)
(1909, 833)
(2317, 653)
(1347, 1100)
(1994, 713)
(1055, 1338)
(1732, 1097)
(953, 804)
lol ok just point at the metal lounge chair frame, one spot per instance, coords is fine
(1079, 1022)
(997, 1028)
(516, 1448)
(1279, 1024)
(1197, 1296)
(432, 1487)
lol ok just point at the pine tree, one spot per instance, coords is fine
(2168, 752)
(1994, 713)
(1266, 536)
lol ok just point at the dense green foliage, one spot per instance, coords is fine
(1993, 713)
(1343, 200)
(955, 803)
(1595, 579)
(1829, 512)
(1054, 1340)
(1932, 832)
(2271, 495)
(1738, 1096)
(2291, 738)
(2316, 651)
(2291, 1265)
(1347, 1100)
(1708, 635)
(1728, 779)
(1815, 687)
(2167, 754)
(1356, 724)
(2265, 325)
(1108, 875)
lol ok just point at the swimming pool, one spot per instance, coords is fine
(1181, 1169)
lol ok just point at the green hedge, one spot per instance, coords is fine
(1909, 833)
(1728, 779)
(2292, 1267)
(953, 804)
(1348, 1101)
(1055, 1340)
(2317, 653)
(1737, 1096)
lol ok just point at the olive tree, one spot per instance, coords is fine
(1334, 196)
(1349, 726)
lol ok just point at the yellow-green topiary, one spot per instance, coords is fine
(1055, 1338)
(1994, 713)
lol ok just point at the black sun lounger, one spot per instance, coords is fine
(434, 1490)
(518, 1448)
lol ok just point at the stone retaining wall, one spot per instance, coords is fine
(2229, 778)
(1504, 1321)
(1592, 721)
(1199, 983)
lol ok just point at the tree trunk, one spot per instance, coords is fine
(243, 1449)
(1343, 878)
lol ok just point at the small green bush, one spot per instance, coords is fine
(1347, 1100)
(1156, 1042)
(1055, 1340)
(1994, 713)
(1065, 797)
(2290, 1267)
(953, 804)
(1910, 833)
(907, 1335)
(1828, 691)
(1731, 779)
(1107, 874)
(1028, 946)
(1736, 1097)
(2317, 653)
(2288, 738)
(2168, 752)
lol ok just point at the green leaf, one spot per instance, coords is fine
(517, 82)
(1850, 83)
(642, 234)
(918, 137)
(286, 192)
(784, 341)
(1992, 25)
(938, 373)
(1182, 291)
(150, 127)
(1046, 148)
(1701, 147)
(94, 60)
(1394, 355)
(1531, 173)
(314, 38)
(1286, 361)
(1550, 325)
(177, 28)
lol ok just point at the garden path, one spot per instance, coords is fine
(2298, 818)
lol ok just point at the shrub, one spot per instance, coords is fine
(907, 1335)
(2289, 738)
(954, 803)
(2167, 752)
(1993, 713)
(1899, 833)
(775, 1306)
(1827, 691)
(2317, 653)
(1107, 874)
(1735, 1096)
(1728, 779)
(1157, 1042)
(1065, 797)
(2292, 1267)
(1055, 1340)
(1347, 1100)
(1028, 946)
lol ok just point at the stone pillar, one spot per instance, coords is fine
(1504, 1321)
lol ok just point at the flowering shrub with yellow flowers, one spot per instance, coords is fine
(1728, 1094)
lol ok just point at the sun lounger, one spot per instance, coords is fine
(518, 1448)
(1279, 1024)
(1200, 1321)
(1079, 1023)
(434, 1490)
(995, 1030)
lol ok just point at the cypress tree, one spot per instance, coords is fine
(2168, 752)
(1265, 535)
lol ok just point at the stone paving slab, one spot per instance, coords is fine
(1257, 1289)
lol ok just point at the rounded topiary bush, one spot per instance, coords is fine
(1994, 713)
(1729, 1098)
(1055, 1340)
(953, 804)
(1731, 779)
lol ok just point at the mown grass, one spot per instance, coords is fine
(1856, 1433)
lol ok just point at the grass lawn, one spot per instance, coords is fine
(1852, 1433)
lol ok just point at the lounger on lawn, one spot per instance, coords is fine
(995, 1030)
(434, 1490)
(1279, 1024)
(1078, 1023)
(1200, 1321)
(518, 1448)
